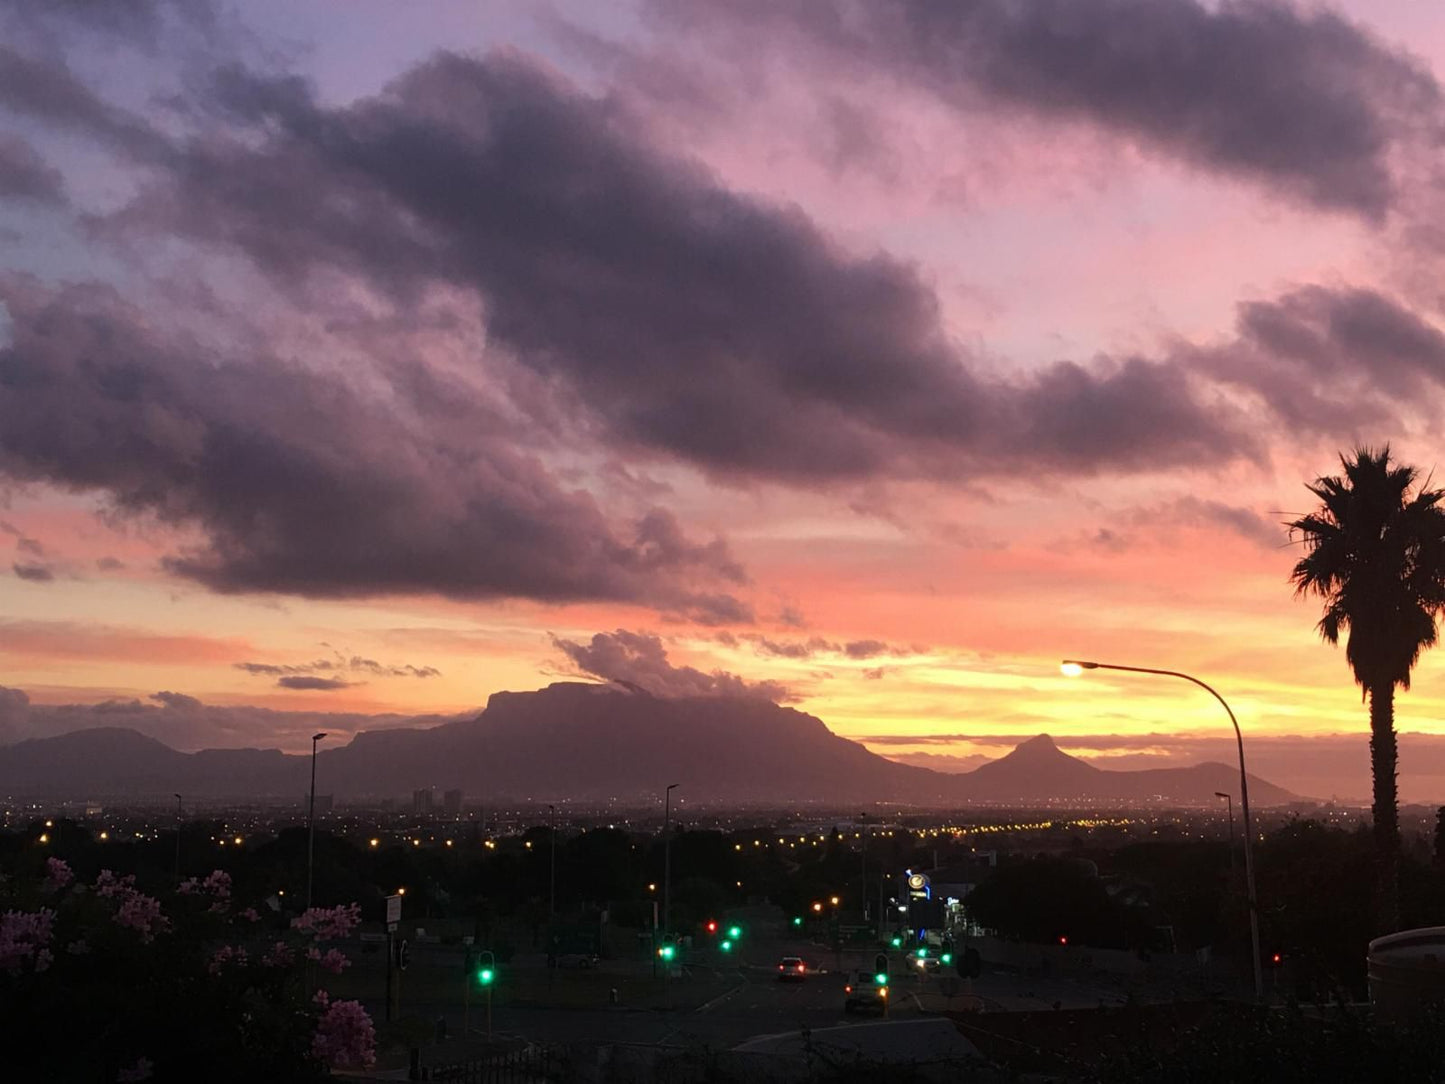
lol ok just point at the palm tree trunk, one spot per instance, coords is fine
(1386, 806)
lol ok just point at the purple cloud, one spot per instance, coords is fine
(1302, 101)
(300, 484)
(639, 659)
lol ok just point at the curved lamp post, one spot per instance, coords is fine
(311, 820)
(1075, 667)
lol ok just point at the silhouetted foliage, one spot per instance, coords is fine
(1375, 554)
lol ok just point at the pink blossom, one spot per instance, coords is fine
(333, 960)
(188, 887)
(141, 913)
(329, 923)
(226, 955)
(250, 915)
(280, 955)
(24, 936)
(143, 1069)
(78, 948)
(344, 1036)
(108, 884)
(57, 874)
(218, 884)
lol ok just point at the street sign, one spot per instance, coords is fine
(393, 910)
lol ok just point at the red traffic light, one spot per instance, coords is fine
(711, 926)
(1063, 940)
(1275, 959)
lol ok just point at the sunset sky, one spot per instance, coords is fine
(370, 358)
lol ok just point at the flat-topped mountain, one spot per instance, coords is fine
(596, 742)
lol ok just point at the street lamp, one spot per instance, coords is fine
(1229, 804)
(1074, 667)
(311, 820)
(667, 857)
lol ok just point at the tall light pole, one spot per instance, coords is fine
(552, 892)
(1229, 804)
(667, 858)
(311, 820)
(1074, 667)
(180, 817)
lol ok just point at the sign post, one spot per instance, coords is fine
(393, 919)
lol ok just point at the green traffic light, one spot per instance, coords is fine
(735, 932)
(947, 958)
(897, 942)
(726, 946)
(923, 952)
(797, 920)
(485, 976)
(666, 952)
(880, 979)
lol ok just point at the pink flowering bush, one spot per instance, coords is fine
(333, 960)
(25, 939)
(328, 923)
(57, 875)
(143, 1069)
(224, 956)
(345, 1038)
(179, 980)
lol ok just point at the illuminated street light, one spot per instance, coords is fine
(1074, 667)
(311, 819)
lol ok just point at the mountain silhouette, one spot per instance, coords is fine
(595, 743)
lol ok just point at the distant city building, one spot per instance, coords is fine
(452, 803)
(324, 803)
(422, 801)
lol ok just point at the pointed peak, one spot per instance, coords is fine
(1042, 743)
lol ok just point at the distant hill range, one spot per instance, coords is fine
(595, 742)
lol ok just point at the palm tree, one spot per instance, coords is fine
(1375, 553)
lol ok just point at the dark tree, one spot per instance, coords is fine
(1375, 553)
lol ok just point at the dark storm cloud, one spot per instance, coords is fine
(298, 483)
(312, 682)
(1300, 100)
(687, 320)
(45, 89)
(26, 175)
(639, 658)
(1328, 360)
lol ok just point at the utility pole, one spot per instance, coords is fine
(311, 820)
(179, 819)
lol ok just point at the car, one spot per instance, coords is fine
(583, 960)
(864, 990)
(792, 969)
(924, 961)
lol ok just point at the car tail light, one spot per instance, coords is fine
(780, 967)
(800, 967)
(847, 989)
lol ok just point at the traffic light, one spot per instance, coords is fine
(667, 950)
(726, 946)
(797, 920)
(735, 932)
(946, 958)
(881, 978)
(486, 976)
(923, 952)
(711, 926)
(897, 942)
